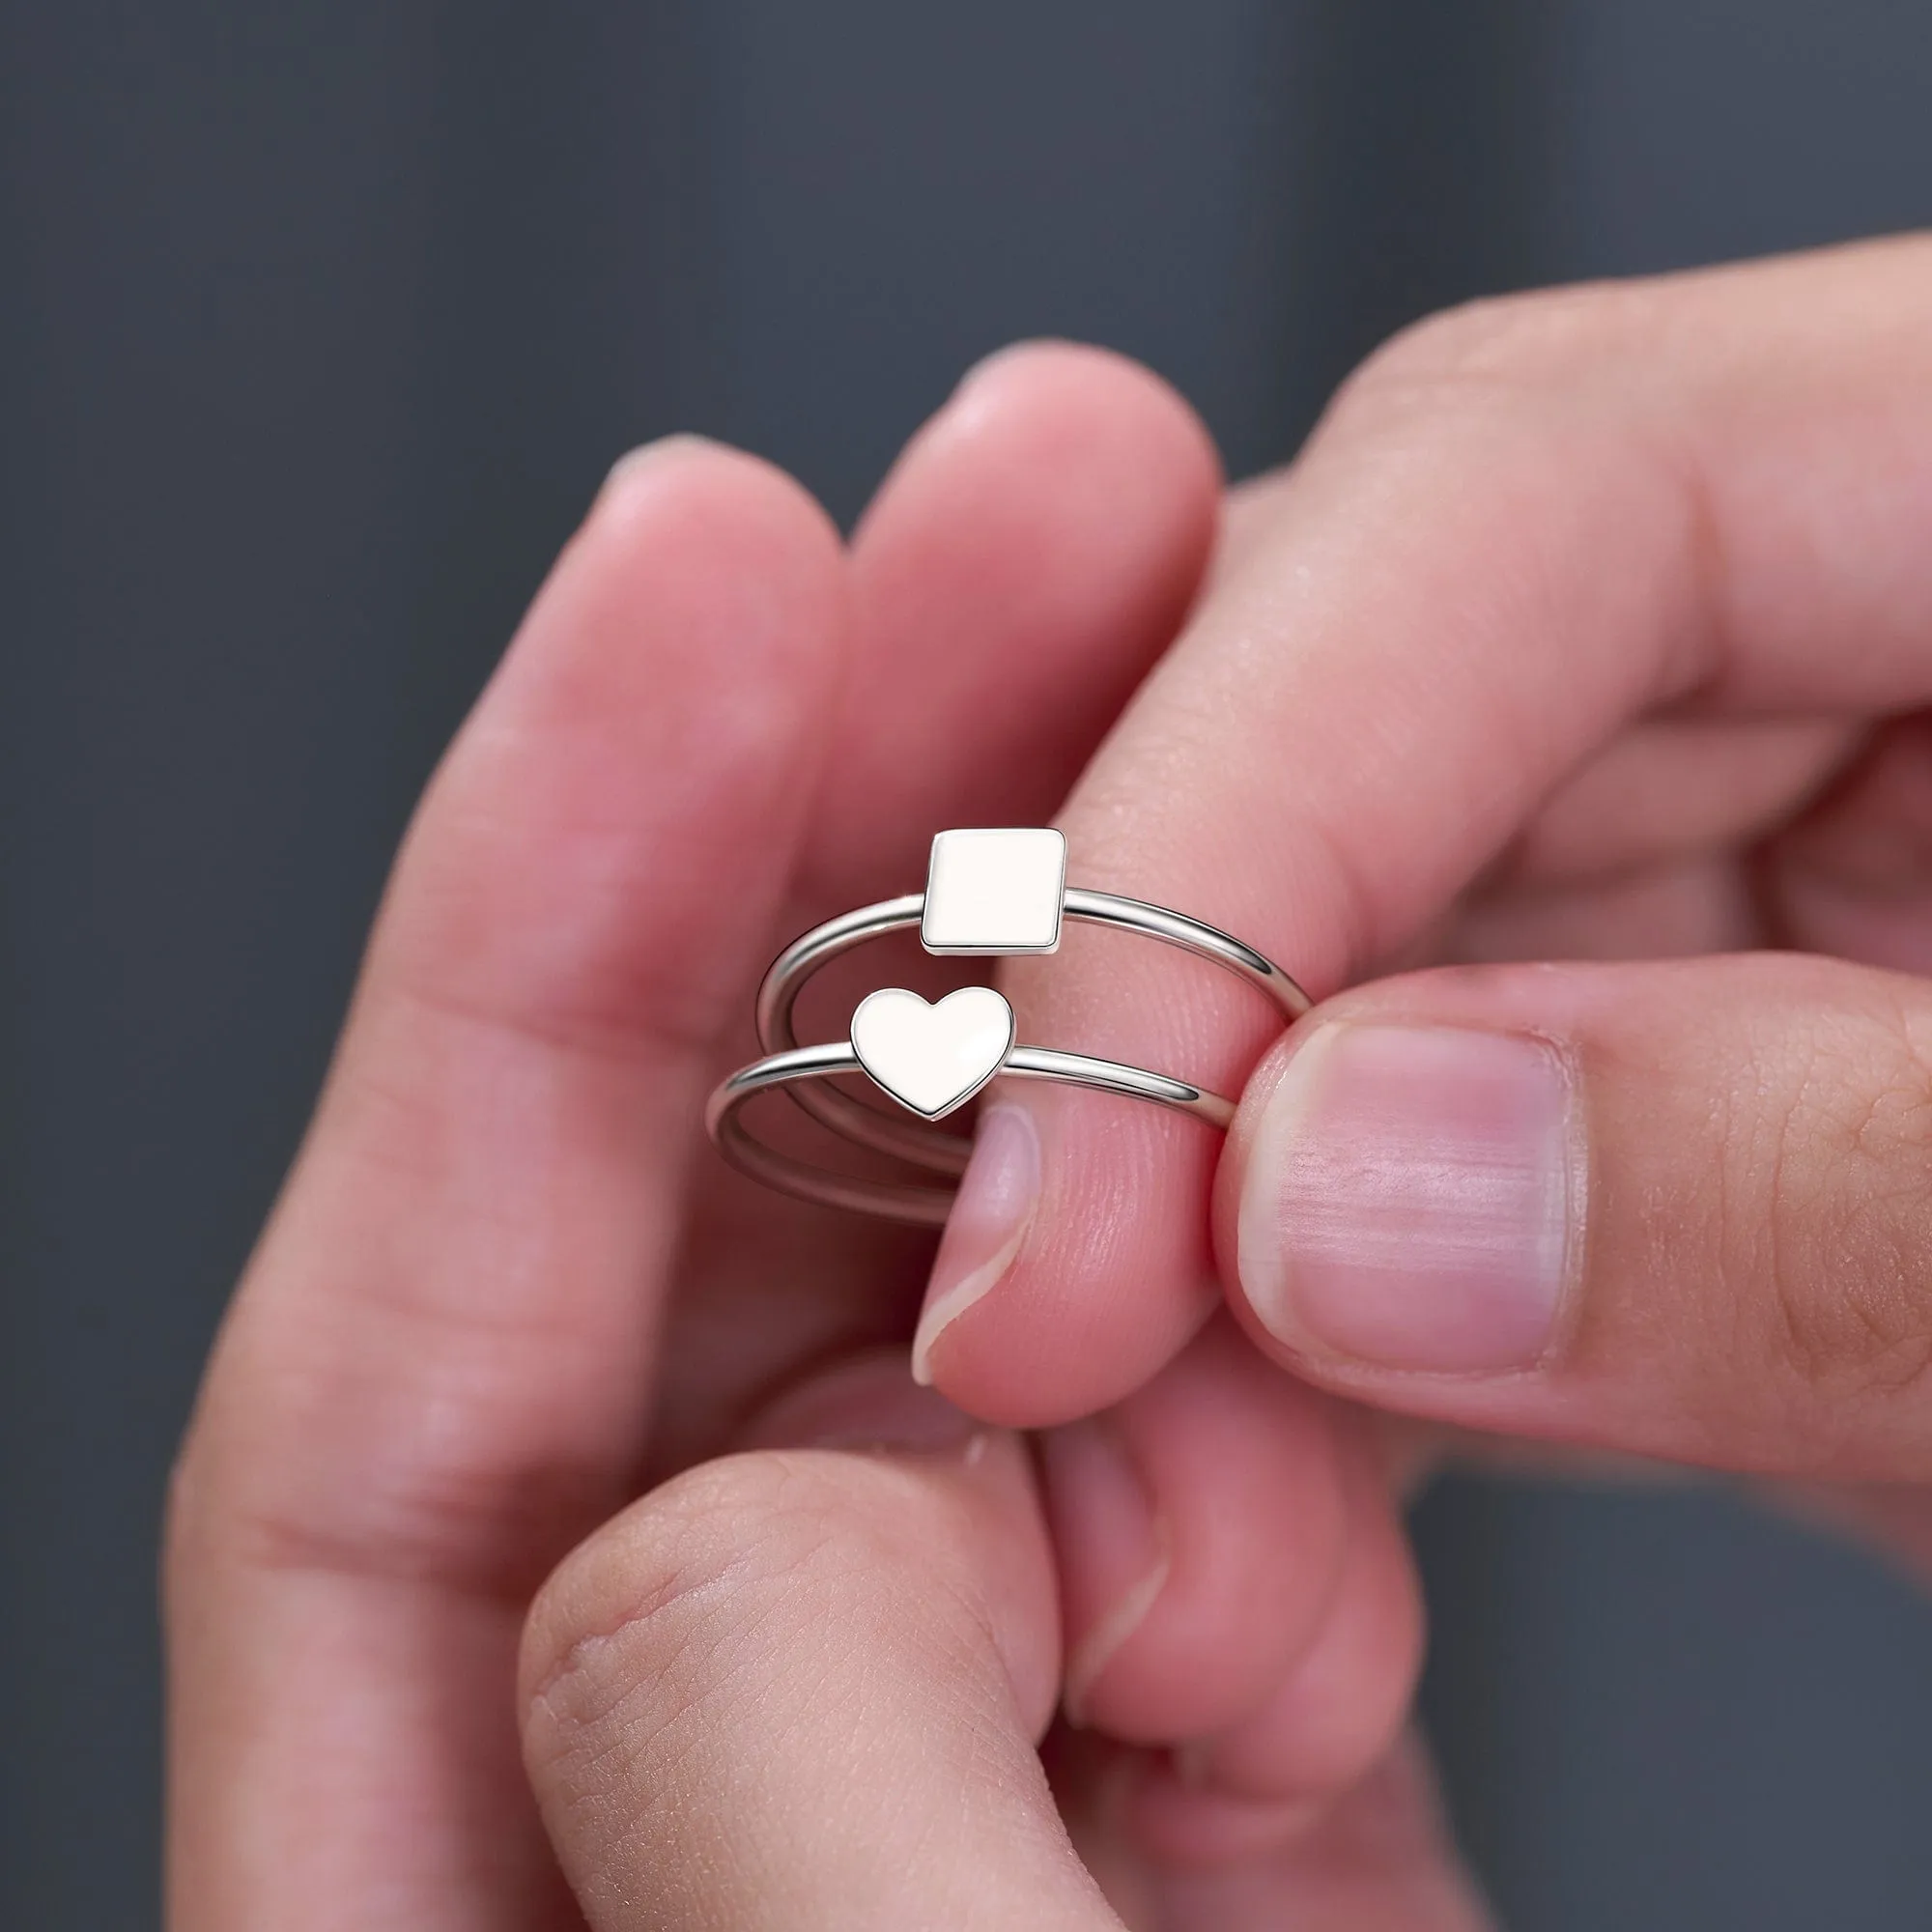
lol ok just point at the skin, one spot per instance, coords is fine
(1589, 628)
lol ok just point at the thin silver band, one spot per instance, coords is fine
(798, 1066)
(933, 1147)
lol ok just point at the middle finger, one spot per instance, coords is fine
(1029, 556)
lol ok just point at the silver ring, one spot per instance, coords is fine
(906, 1200)
(989, 894)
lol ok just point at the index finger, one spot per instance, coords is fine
(1520, 528)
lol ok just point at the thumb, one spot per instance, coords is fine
(1682, 1210)
(801, 1688)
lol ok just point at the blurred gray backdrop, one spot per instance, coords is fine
(319, 324)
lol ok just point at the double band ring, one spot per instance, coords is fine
(989, 894)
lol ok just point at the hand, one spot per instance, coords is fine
(800, 1687)
(507, 1285)
(1413, 773)
(1596, 627)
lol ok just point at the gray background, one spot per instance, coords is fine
(319, 324)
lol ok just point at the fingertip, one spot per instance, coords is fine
(705, 590)
(653, 727)
(1028, 558)
(1532, 1200)
(980, 1477)
(713, 494)
(1052, 522)
(853, 1494)
(992, 1213)
(1052, 1302)
(808, 1682)
(1231, 1174)
(1406, 1193)
(656, 454)
(1098, 471)
(1070, 388)
(703, 574)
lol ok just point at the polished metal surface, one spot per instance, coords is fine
(993, 891)
(932, 1057)
(989, 891)
(915, 1140)
(912, 1201)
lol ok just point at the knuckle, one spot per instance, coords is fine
(453, 1511)
(715, 1599)
(648, 1585)
(1850, 1227)
(1495, 350)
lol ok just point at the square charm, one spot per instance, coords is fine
(991, 891)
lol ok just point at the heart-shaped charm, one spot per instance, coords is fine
(933, 1058)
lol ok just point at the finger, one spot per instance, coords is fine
(1524, 526)
(1233, 1577)
(1699, 905)
(800, 1687)
(431, 1379)
(1189, 1858)
(1854, 876)
(1028, 557)
(1640, 855)
(1341, 1705)
(1031, 554)
(1672, 792)
(1677, 1210)
(1200, 1528)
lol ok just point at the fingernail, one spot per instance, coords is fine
(864, 1404)
(1113, 1543)
(1412, 1196)
(990, 1220)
